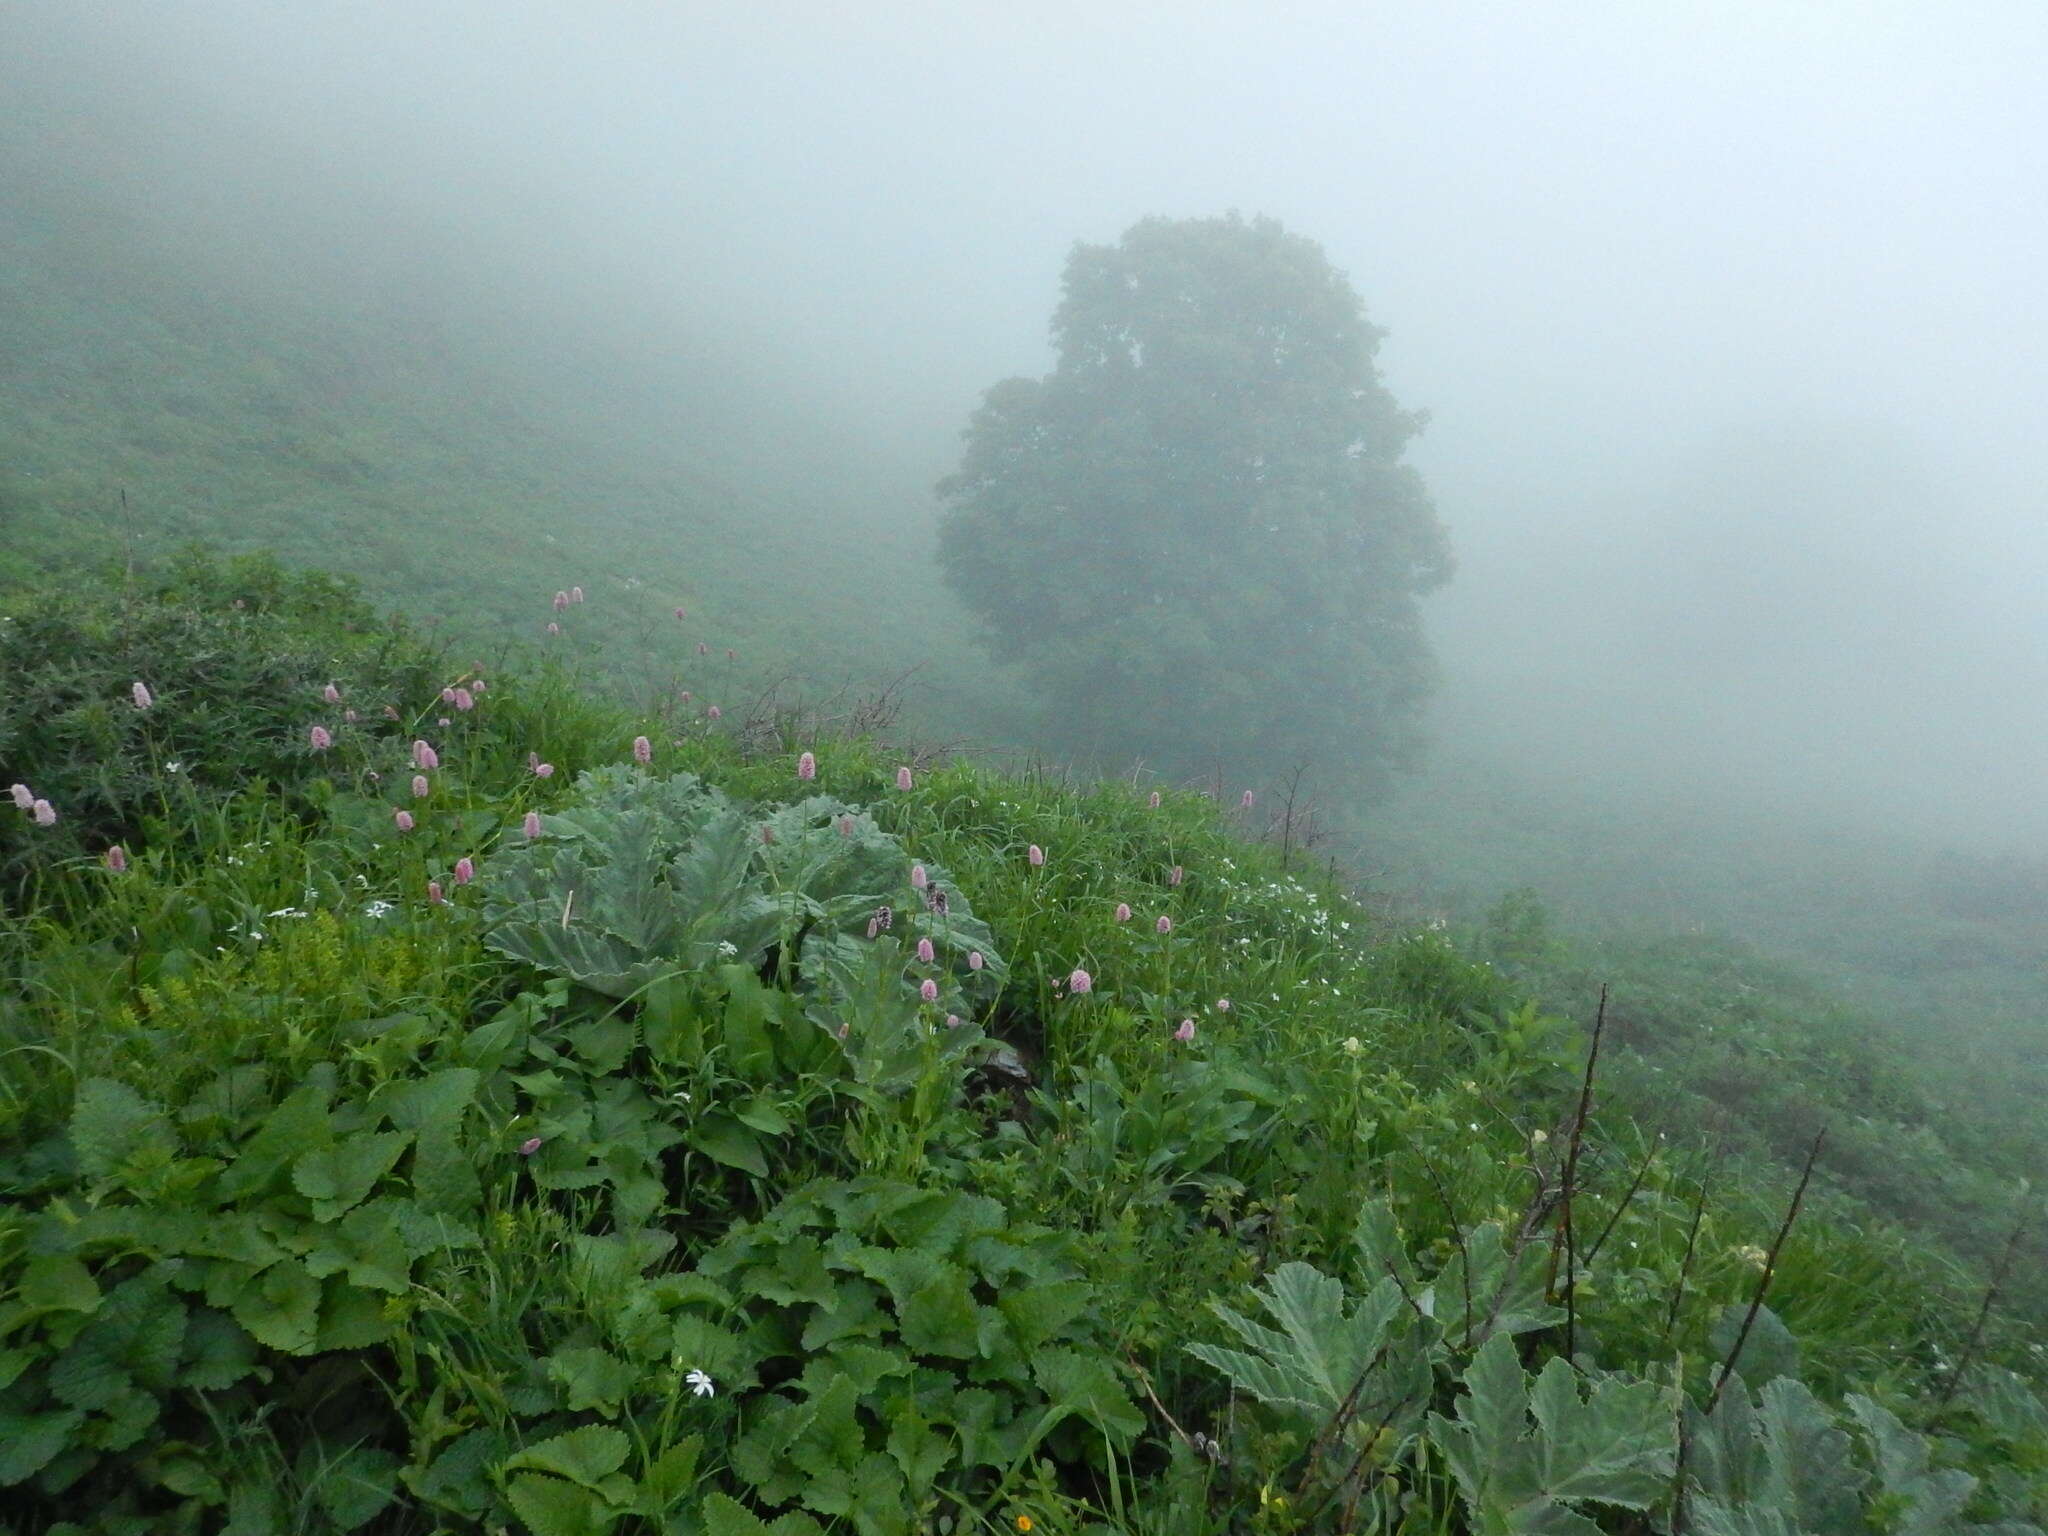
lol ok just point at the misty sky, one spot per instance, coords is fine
(1728, 315)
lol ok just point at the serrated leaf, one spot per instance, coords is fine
(722, 1137)
(281, 1307)
(341, 1175)
(113, 1127)
(133, 1340)
(288, 1132)
(30, 1441)
(356, 1486)
(551, 1507)
(725, 1516)
(585, 1456)
(591, 1379)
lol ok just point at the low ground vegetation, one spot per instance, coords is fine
(473, 1106)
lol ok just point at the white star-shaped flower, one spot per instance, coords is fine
(699, 1384)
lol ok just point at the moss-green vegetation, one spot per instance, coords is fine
(578, 1159)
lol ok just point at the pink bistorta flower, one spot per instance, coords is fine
(448, 695)
(952, 1021)
(24, 797)
(713, 713)
(403, 818)
(1245, 803)
(444, 722)
(319, 738)
(434, 892)
(331, 694)
(117, 858)
(479, 686)
(974, 960)
(544, 770)
(1223, 1005)
(465, 870)
(575, 594)
(903, 780)
(531, 826)
(643, 750)
(561, 602)
(1175, 876)
(1037, 856)
(420, 786)
(680, 614)
(1153, 802)
(424, 757)
(141, 695)
(349, 715)
(464, 699)
(1123, 912)
(806, 767)
(925, 952)
(554, 629)
(918, 878)
(928, 990)
(529, 1146)
(1164, 925)
(1080, 982)
(44, 813)
(1186, 1032)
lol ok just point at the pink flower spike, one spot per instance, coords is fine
(319, 738)
(1245, 804)
(140, 693)
(554, 629)
(1123, 912)
(465, 870)
(543, 770)
(974, 960)
(1037, 856)
(561, 601)
(844, 1029)
(680, 614)
(464, 699)
(479, 686)
(925, 952)
(918, 878)
(1186, 1032)
(928, 990)
(116, 858)
(424, 757)
(1080, 982)
(807, 767)
(846, 826)
(444, 722)
(903, 780)
(331, 694)
(1175, 877)
(24, 797)
(1223, 1005)
(643, 750)
(713, 713)
(952, 1021)
(44, 813)
(447, 695)
(531, 826)
(420, 786)
(434, 892)
(529, 1146)
(349, 715)
(1154, 801)
(1164, 925)
(575, 594)
(403, 818)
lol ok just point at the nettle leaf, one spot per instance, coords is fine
(592, 1379)
(281, 1307)
(342, 1174)
(115, 1131)
(1087, 1385)
(297, 1126)
(133, 1340)
(585, 1456)
(355, 1487)
(551, 1507)
(725, 1516)
(1614, 1446)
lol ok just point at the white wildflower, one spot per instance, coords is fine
(699, 1384)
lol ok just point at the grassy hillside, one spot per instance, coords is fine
(588, 1151)
(159, 385)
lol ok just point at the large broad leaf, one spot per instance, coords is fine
(1780, 1464)
(1524, 1460)
(1321, 1359)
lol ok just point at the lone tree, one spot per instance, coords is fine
(1196, 534)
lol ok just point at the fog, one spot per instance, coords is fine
(1727, 315)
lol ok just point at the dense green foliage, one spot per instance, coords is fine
(624, 1179)
(1208, 485)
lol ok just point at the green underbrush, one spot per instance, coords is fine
(676, 1141)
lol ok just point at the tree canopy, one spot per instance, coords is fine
(1196, 535)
